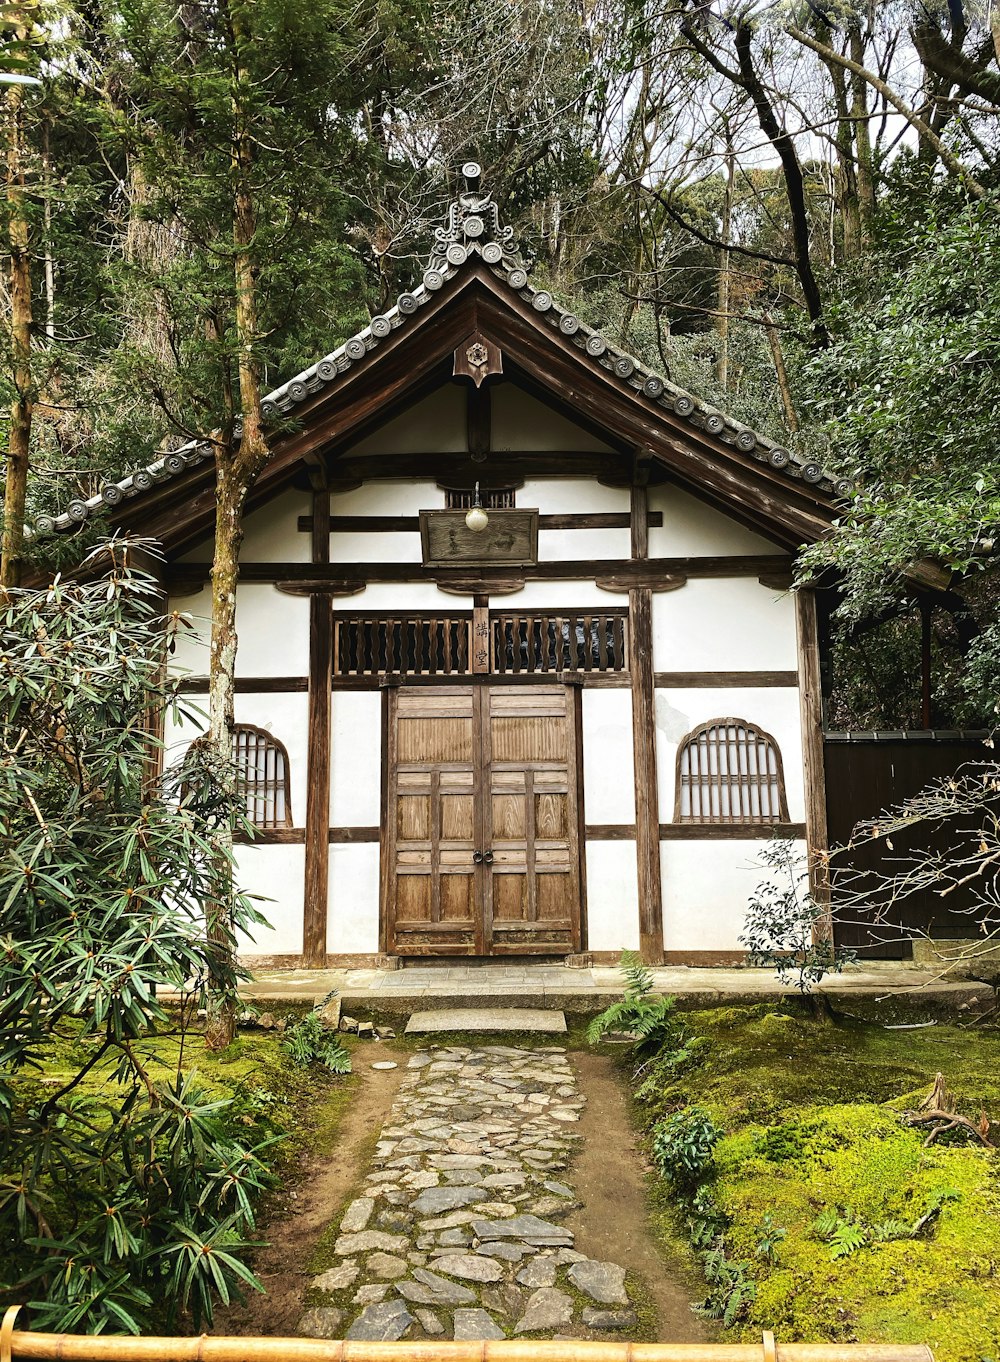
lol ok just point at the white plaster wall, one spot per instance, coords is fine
(608, 784)
(693, 529)
(563, 496)
(273, 632)
(775, 709)
(612, 896)
(571, 595)
(401, 546)
(437, 422)
(275, 873)
(724, 624)
(270, 533)
(352, 915)
(706, 885)
(388, 496)
(587, 545)
(356, 757)
(520, 421)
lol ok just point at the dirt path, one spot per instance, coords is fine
(607, 1226)
(612, 1221)
(298, 1218)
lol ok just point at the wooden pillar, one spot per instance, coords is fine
(813, 764)
(317, 868)
(647, 813)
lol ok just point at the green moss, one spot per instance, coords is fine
(812, 1115)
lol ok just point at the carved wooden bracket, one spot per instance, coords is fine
(477, 358)
(654, 582)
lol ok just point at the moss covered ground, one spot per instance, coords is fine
(811, 1115)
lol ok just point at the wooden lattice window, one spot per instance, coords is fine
(565, 642)
(729, 771)
(431, 645)
(262, 776)
(491, 498)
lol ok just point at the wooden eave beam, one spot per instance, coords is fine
(377, 387)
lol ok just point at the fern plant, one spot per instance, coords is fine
(646, 1015)
(309, 1042)
(732, 1289)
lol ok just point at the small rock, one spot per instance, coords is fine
(266, 1021)
(368, 1240)
(357, 1215)
(384, 1064)
(321, 1322)
(385, 1322)
(619, 1320)
(476, 1324)
(430, 1289)
(329, 1013)
(470, 1267)
(369, 1295)
(547, 1308)
(602, 1282)
(385, 1033)
(568, 1255)
(281, 1024)
(349, 1024)
(435, 1200)
(454, 1238)
(512, 1253)
(506, 1299)
(386, 1265)
(539, 1272)
(336, 1278)
(366, 1031)
(429, 1322)
(559, 1189)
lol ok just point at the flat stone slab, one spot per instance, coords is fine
(534, 1019)
(476, 1324)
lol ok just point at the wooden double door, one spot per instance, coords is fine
(481, 854)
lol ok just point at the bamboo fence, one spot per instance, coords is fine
(23, 1344)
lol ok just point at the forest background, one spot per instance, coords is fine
(791, 210)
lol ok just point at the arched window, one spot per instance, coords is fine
(262, 772)
(729, 771)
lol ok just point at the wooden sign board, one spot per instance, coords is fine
(510, 539)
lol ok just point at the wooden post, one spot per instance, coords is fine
(647, 813)
(813, 765)
(317, 867)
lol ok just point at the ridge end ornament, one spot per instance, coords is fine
(473, 222)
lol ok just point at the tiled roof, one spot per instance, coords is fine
(473, 230)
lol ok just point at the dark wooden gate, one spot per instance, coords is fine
(866, 774)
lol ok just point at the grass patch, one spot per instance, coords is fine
(811, 1115)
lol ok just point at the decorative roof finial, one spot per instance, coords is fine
(473, 225)
(472, 172)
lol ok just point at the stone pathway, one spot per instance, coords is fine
(456, 1233)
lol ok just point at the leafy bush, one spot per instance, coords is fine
(784, 923)
(683, 1145)
(646, 1015)
(134, 1204)
(309, 1041)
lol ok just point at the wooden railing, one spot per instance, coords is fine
(544, 642)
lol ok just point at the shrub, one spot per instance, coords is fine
(309, 1041)
(134, 1204)
(683, 1145)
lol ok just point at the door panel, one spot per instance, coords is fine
(486, 772)
(533, 885)
(433, 885)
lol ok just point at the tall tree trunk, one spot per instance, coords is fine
(236, 471)
(725, 276)
(22, 403)
(846, 181)
(865, 166)
(795, 191)
(781, 374)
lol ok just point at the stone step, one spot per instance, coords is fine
(543, 1021)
